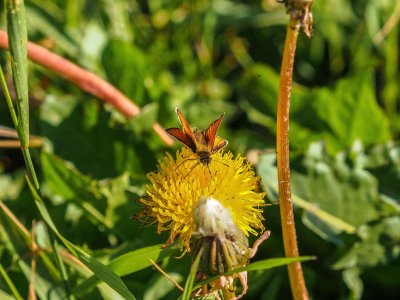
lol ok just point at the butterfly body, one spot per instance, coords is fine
(203, 143)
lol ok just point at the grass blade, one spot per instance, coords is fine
(128, 263)
(16, 26)
(260, 265)
(100, 270)
(190, 280)
(10, 284)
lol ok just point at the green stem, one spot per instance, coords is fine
(8, 100)
(10, 283)
(19, 64)
(56, 251)
(16, 26)
(29, 167)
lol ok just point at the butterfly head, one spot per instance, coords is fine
(205, 157)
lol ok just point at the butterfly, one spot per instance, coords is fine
(203, 143)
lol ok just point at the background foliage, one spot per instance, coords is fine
(209, 57)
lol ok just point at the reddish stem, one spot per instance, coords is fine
(299, 290)
(86, 80)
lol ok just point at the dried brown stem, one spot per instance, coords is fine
(299, 290)
(173, 281)
(86, 80)
(34, 247)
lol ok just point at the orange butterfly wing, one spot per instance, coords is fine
(184, 135)
(185, 125)
(211, 132)
(219, 144)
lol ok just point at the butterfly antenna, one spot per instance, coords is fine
(191, 169)
(185, 161)
(220, 162)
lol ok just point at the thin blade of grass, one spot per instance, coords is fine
(94, 265)
(128, 263)
(16, 26)
(259, 265)
(10, 284)
(190, 280)
(60, 264)
(18, 39)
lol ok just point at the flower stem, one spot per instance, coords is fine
(299, 290)
(85, 80)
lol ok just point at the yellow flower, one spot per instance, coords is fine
(178, 184)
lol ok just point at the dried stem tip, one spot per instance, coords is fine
(300, 14)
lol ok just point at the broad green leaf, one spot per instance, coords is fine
(137, 260)
(75, 141)
(337, 187)
(328, 189)
(129, 263)
(335, 115)
(125, 66)
(384, 162)
(373, 250)
(344, 109)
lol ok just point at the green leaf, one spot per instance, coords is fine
(336, 186)
(129, 263)
(16, 241)
(95, 266)
(192, 275)
(328, 189)
(10, 283)
(47, 25)
(16, 25)
(260, 265)
(98, 200)
(344, 109)
(125, 66)
(121, 149)
(335, 115)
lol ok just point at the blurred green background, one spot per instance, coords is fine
(209, 57)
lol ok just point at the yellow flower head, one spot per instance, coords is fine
(179, 183)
